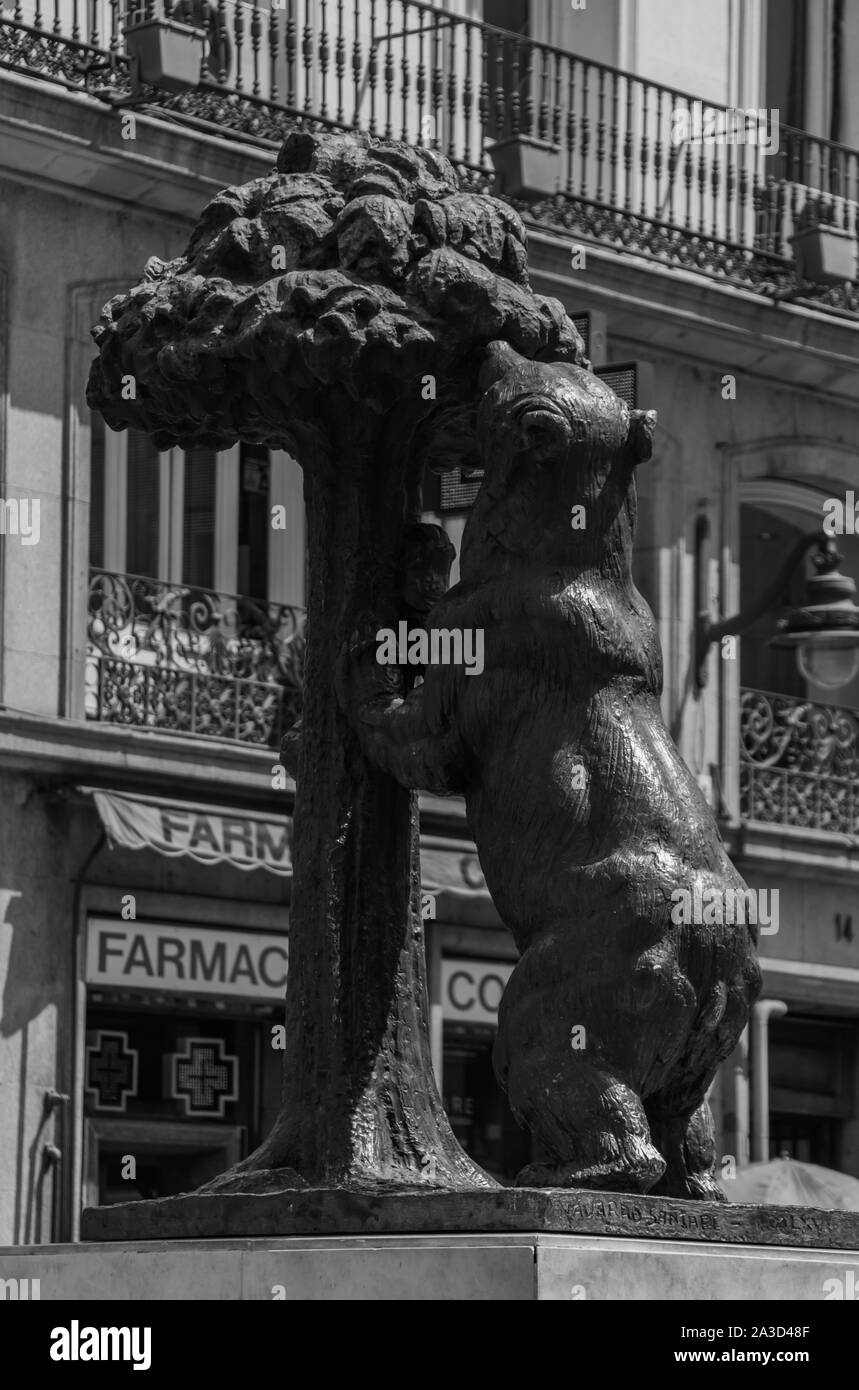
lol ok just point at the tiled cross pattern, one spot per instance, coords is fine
(204, 1077)
(111, 1071)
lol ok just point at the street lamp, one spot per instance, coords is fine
(824, 631)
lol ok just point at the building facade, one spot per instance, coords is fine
(152, 614)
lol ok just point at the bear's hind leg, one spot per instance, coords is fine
(591, 1123)
(688, 1144)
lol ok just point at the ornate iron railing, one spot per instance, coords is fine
(402, 68)
(188, 660)
(799, 762)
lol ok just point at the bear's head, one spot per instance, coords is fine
(559, 450)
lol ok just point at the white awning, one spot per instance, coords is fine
(450, 869)
(209, 834)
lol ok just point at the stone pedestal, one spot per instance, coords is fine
(277, 1210)
(454, 1268)
(507, 1243)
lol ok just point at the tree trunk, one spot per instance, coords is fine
(360, 1103)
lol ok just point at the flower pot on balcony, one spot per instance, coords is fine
(165, 53)
(525, 167)
(825, 255)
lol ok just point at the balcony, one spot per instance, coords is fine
(799, 763)
(403, 69)
(190, 661)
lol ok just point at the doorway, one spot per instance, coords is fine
(134, 1160)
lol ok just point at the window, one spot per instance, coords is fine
(196, 517)
(96, 510)
(786, 39)
(766, 537)
(799, 741)
(507, 64)
(810, 64)
(767, 533)
(507, 14)
(143, 499)
(806, 1138)
(811, 1087)
(477, 1107)
(254, 521)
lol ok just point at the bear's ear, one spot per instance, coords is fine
(500, 359)
(641, 426)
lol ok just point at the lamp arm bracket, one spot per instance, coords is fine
(709, 631)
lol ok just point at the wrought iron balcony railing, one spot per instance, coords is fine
(405, 69)
(799, 763)
(190, 661)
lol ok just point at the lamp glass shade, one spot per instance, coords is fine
(828, 664)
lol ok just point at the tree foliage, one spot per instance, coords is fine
(351, 271)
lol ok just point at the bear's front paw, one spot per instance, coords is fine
(360, 682)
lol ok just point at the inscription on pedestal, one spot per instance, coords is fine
(631, 1213)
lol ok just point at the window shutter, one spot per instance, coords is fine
(96, 492)
(141, 522)
(198, 520)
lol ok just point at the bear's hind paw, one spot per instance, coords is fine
(638, 1178)
(695, 1187)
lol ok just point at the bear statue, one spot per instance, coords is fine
(585, 817)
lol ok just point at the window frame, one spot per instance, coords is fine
(286, 556)
(794, 471)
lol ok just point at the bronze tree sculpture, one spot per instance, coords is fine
(340, 308)
(354, 307)
(586, 819)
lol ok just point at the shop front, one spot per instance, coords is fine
(477, 1107)
(804, 1032)
(179, 1068)
(179, 1034)
(472, 957)
(182, 965)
